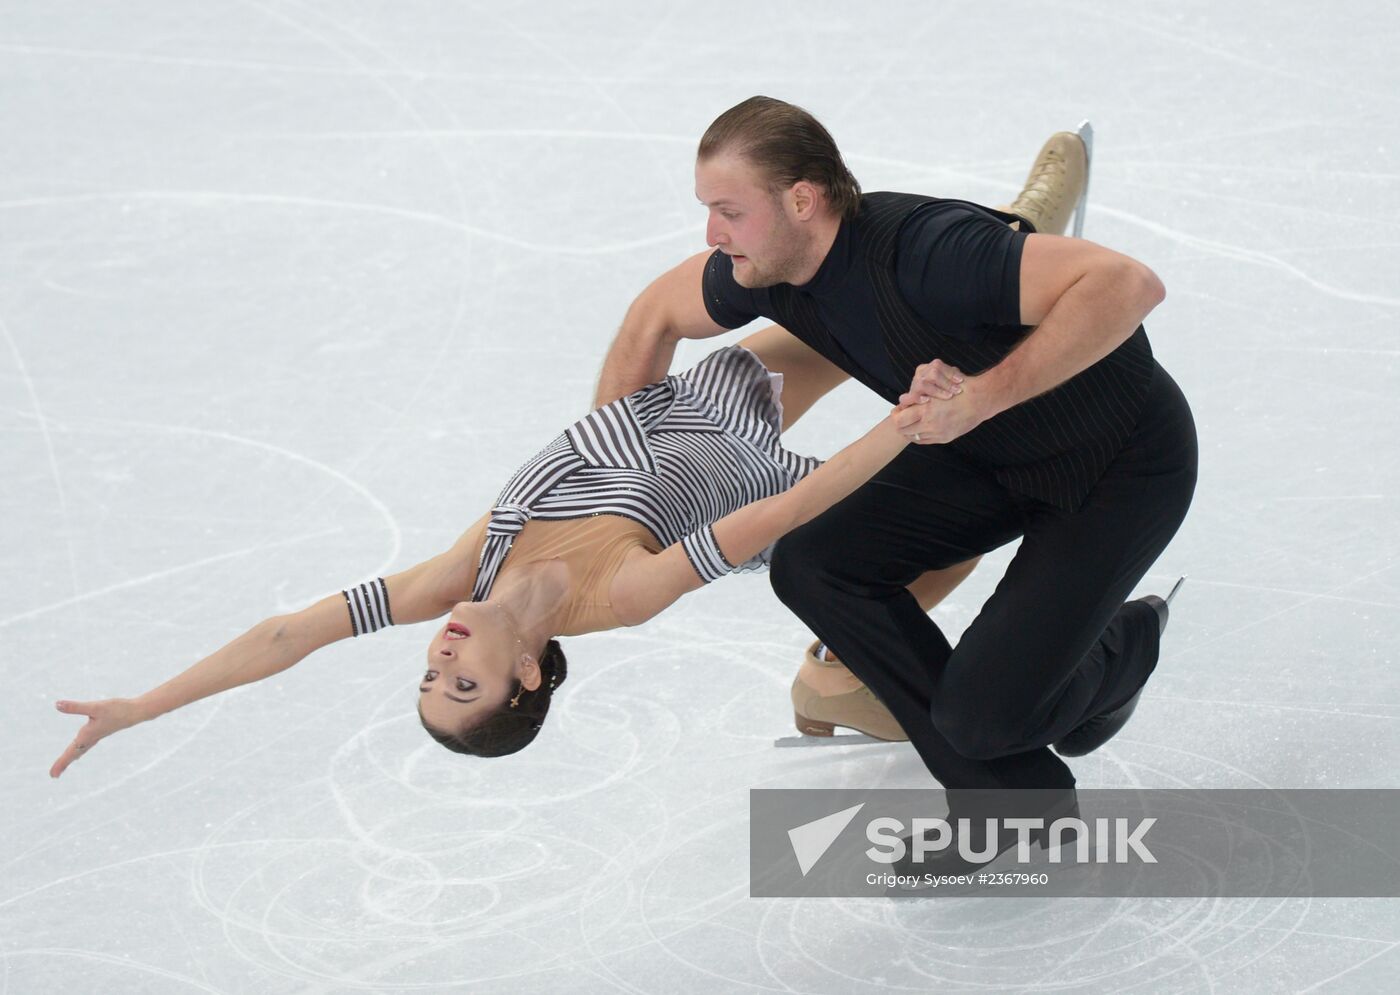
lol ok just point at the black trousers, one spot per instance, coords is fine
(1053, 645)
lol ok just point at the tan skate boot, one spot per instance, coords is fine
(1058, 183)
(825, 694)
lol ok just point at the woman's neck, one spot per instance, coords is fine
(535, 598)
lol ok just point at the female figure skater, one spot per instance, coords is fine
(640, 502)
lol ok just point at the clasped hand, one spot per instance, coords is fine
(925, 422)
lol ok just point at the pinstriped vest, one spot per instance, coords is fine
(1053, 447)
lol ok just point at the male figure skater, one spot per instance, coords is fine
(1036, 411)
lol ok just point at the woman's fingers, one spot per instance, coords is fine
(944, 371)
(76, 749)
(934, 380)
(88, 736)
(940, 370)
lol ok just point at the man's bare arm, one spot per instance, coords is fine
(670, 309)
(1085, 300)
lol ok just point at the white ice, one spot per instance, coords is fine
(287, 289)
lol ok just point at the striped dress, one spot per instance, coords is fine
(675, 456)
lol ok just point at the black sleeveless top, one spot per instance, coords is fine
(1053, 447)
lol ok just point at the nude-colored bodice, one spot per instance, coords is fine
(592, 547)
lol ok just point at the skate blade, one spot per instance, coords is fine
(844, 739)
(1175, 587)
(1085, 131)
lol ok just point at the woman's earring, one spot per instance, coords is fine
(516, 700)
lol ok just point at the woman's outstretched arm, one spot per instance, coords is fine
(417, 594)
(648, 583)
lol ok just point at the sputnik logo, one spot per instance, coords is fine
(812, 839)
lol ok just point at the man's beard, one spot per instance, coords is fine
(777, 271)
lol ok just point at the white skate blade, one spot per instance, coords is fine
(1085, 131)
(1175, 587)
(844, 739)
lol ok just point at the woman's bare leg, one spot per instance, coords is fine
(931, 588)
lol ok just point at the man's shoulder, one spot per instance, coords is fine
(926, 205)
(896, 199)
(729, 304)
(902, 220)
(887, 200)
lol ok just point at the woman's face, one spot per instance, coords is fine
(473, 664)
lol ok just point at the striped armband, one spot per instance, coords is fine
(705, 556)
(368, 604)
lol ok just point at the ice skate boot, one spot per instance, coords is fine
(1094, 732)
(825, 694)
(1058, 183)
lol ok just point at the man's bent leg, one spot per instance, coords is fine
(1055, 644)
(845, 575)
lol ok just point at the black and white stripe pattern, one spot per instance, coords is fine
(705, 555)
(675, 456)
(368, 604)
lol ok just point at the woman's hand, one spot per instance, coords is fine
(958, 412)
(933, 380)
(104, 718)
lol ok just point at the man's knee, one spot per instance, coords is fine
(796, 567)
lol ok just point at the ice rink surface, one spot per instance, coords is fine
(288, 289)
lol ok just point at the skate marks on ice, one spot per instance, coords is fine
(269, 841)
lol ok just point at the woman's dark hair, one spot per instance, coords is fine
(786, 144)
(508, 729)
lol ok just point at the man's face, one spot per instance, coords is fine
(748, 222)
